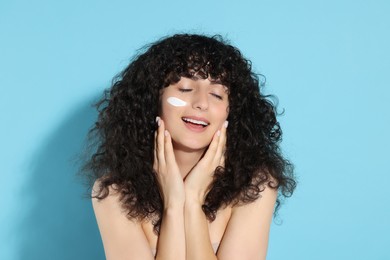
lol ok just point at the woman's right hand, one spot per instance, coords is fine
(168, 173)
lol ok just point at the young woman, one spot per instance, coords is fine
(188, 164)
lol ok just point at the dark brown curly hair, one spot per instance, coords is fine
(124, 131)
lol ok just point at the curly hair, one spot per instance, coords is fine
(124, 131)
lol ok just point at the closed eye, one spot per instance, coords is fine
(185, 90)
(217, 96)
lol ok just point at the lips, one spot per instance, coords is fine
(197, 121)
(196, 124)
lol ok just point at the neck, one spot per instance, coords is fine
(186, 160)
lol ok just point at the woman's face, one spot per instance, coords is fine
(193, 110)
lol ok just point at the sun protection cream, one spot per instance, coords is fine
(177, 102)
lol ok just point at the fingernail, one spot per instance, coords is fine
(166, 133)
(218, 133)
(158, 120)
(226, 124)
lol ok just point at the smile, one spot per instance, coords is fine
(194, 121)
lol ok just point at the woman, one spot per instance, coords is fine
(188, 164)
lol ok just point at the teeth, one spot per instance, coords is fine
(195, 121)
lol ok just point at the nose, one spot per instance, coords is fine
(200, 101)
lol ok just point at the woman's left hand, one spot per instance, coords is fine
(199, 179)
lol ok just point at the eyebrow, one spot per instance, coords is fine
(216, 81)
(219, 82)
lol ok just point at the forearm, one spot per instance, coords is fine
(198, 244)
(171, 242)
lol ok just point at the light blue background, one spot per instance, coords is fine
(327, 61)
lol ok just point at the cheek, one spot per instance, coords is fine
(222, 111)
(172, 104)
(169, 112)
(176, 102)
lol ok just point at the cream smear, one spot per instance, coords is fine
(177, 102)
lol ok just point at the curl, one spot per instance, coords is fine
(124, 131)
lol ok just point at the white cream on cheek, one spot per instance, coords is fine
(176, 102)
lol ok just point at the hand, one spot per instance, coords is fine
(168, 173)
(199, 179)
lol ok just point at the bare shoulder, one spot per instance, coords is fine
(247, 233)
(112, 198)
(123, 238)
(264, 203)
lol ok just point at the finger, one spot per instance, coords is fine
(222, 143)
(155, 159)
(160, 143)
(210, 153)
(168, 149)
(222, 161)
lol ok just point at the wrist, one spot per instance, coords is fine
(173, 210)
(173, 205)
(194, 200)
(193, 208)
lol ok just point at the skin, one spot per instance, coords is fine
(204, 100)
(185, 161)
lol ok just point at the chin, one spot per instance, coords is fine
(190, 146)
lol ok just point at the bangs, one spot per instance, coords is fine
(199, 62)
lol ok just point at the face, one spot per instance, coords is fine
(193, 111)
